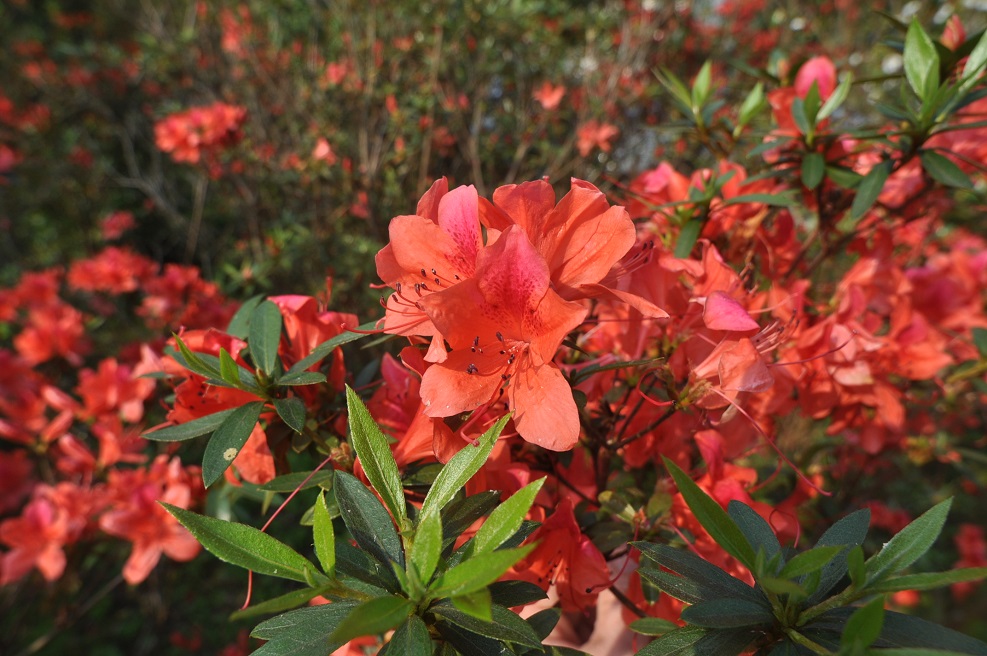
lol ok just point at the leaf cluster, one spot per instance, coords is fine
(801, 603)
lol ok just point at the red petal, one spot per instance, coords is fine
(722, 312)
(544, 410)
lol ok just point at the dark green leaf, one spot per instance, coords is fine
(411, 639)
(245, 546)
(781, 586)
(944, 170)
(901, 630)
(515, 593)
(324, 349)
(687, 238)
(727, 614)
(302, 632)
(836, 99)
(909, 544)
(191, 429)
(373, 617)
(462, 513)
(475, 604)
(194, 362)
(461, 468)
(323, 536)
(713, 518)
(856, 567)
(367, 520)
(809, 561)
(843, 177)
(653, 626)
(921, 61)
(752, 104)
(505, 519)
(292, 412)
(543, 622)
(813, 170)
(375, 455)
(849, 531)
(468, 642)
(694, 641)
(240, 323)
(264, 336)
(979, 340)
(505, 625)
(868, 190)
(362, 571)
(778, 200)
(228, 439)
(974, 64)
(296, 481)
(710, 581)
(800, 116)
(757, 531)
(864, 626)
(811, 103)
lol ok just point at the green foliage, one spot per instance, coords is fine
(804, 605)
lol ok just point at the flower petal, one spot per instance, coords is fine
(544, 410)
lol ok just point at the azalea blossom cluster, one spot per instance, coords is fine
(73, 467)
(200, 131)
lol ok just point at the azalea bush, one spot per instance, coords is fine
(577, 405)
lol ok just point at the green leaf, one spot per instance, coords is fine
(698, 578)
(292, 412)
(245, 546)
(687, 238)
(909, 544)
(504, 625)
(758, 532)
(921, 62)
(701, 86)
(843, 177)
(855, 566)
(727, 614)
(302, 378)
(515, 593)
(324, 349)
(752, 104)
(979, 340)
(811, 104)
(676, 87)
(810, 561)
(919, 651)
(543, 622)
(477, 572)
(282, 603)
(849, 531)
(780, 586)
(373, 617)
(427, 547)
(460, 514)
(265, 336)
(361, 571)
(302, 632)
(296, 481)
(190, 429)
(228, 439)
(653, 626)
(194, 362)
(323, 536)
(868, 190)
(784, 199)
(461, 468)
(813, 170)
(476, 604)
(469, 642)
(929, 580)
(375, 455)
(228, 368)
(695, 641)
(944, 170)
(974, 64)
(239, 325)
(864, 626)
(902, 630)
(410, 639)
(836, 99)
(367, 519)
(713, 518)
(505, 519)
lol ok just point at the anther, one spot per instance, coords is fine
(471, 369)
(500, 338)
(424, 275)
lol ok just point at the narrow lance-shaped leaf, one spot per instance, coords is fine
(929, 580)
(503, 624)
(324, 536)
(909, 544)
(427, 547)
(505, 519)
(727, 614)
(836, 99)
(758, 532)
(974, 64)
(190, 429)
(323, 350)
(373, 617)
(246, 546)
(229, 438)
(713, 518)
(460, 469)
(868, 190)
(367, 520)
(228, 368)
(292, 412)
(813, 170)
(864, 626)
(477, 605)
(302, 632)
(810, 561)
(410, 639)
(944, 170)
(265, 336)
(375, 455)
(478, 572)
(921, 61)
